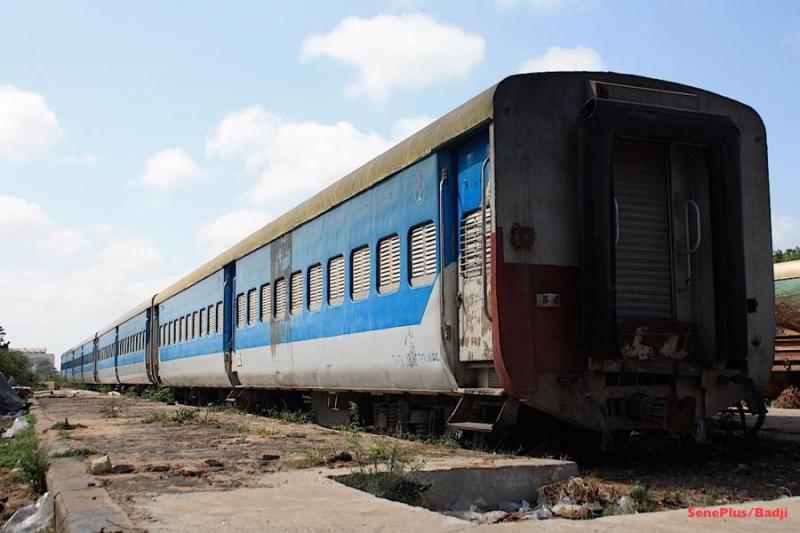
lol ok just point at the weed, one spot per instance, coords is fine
(288, 415)
(641, 495)
(445, 440)
(104, 389)
(132, 393)
(156, 416)
(112, 409)
(185, 416)
(75, 452)
(23, 451)
(66, 426)
(162, 394)
(384, 469)
(312, 458)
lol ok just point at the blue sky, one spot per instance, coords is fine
(137, 139)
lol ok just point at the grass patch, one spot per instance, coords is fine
(77, 452)
(66, 426)
(185, 416)
(298, 416)
(162, 394)
(23, 452)
(131, 393)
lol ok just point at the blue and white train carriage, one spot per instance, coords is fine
(595, 246)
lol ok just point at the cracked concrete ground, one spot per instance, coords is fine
(239, 472)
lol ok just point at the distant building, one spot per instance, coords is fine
(43, 363)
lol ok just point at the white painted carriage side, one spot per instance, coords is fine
(200, 371)
(135, 374)
(402, 358)
(107, 376)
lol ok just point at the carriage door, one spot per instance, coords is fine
(662, 256)
(475, 223)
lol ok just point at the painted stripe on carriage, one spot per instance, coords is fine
(399, 309)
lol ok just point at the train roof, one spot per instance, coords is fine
(142, 307)
(787, 270)
(464, 118)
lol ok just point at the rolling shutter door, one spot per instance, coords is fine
(643, 257)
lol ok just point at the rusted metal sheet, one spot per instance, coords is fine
(654, 339)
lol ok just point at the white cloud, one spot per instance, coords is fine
(541, 6)
(64, 241)
(27, 126)
(398, 52)
(295, 159)
(557, 58)
(785, 232)
(405, 127)
(86, 159)
(230, 228)
(122, 274)
(168, 169)
(25, 221)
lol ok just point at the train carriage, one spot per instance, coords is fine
(594, 246)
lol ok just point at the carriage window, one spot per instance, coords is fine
(196, 324)
(252, 307)
(359, 273)
(203, 323)
(240, 310)
(422, 256)
(388, 264)
(315, 287)
(336, 281)
(220, 316)
(280, 298)
(212, 326)
(296, 293)
(266, 301)
(471, 253)
(174, 333)
(181, 330)
(188, 333)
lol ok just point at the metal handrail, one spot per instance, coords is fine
(483, 239)
(442, 317)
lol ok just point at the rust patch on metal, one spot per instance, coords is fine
(656, 339)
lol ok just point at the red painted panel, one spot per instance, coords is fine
(526, 338)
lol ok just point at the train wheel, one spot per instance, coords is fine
(750, 425)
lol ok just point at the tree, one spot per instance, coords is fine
(3, 345)
(14, 365)
(790, 254)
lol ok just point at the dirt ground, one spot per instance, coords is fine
(215, 450)
(160, 449)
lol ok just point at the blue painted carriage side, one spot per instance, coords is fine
(393, 206)
(107, 339)
(131, 327)
(87, 360)
(199, 296)
(469, 160)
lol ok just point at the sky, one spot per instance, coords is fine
(139, 139)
